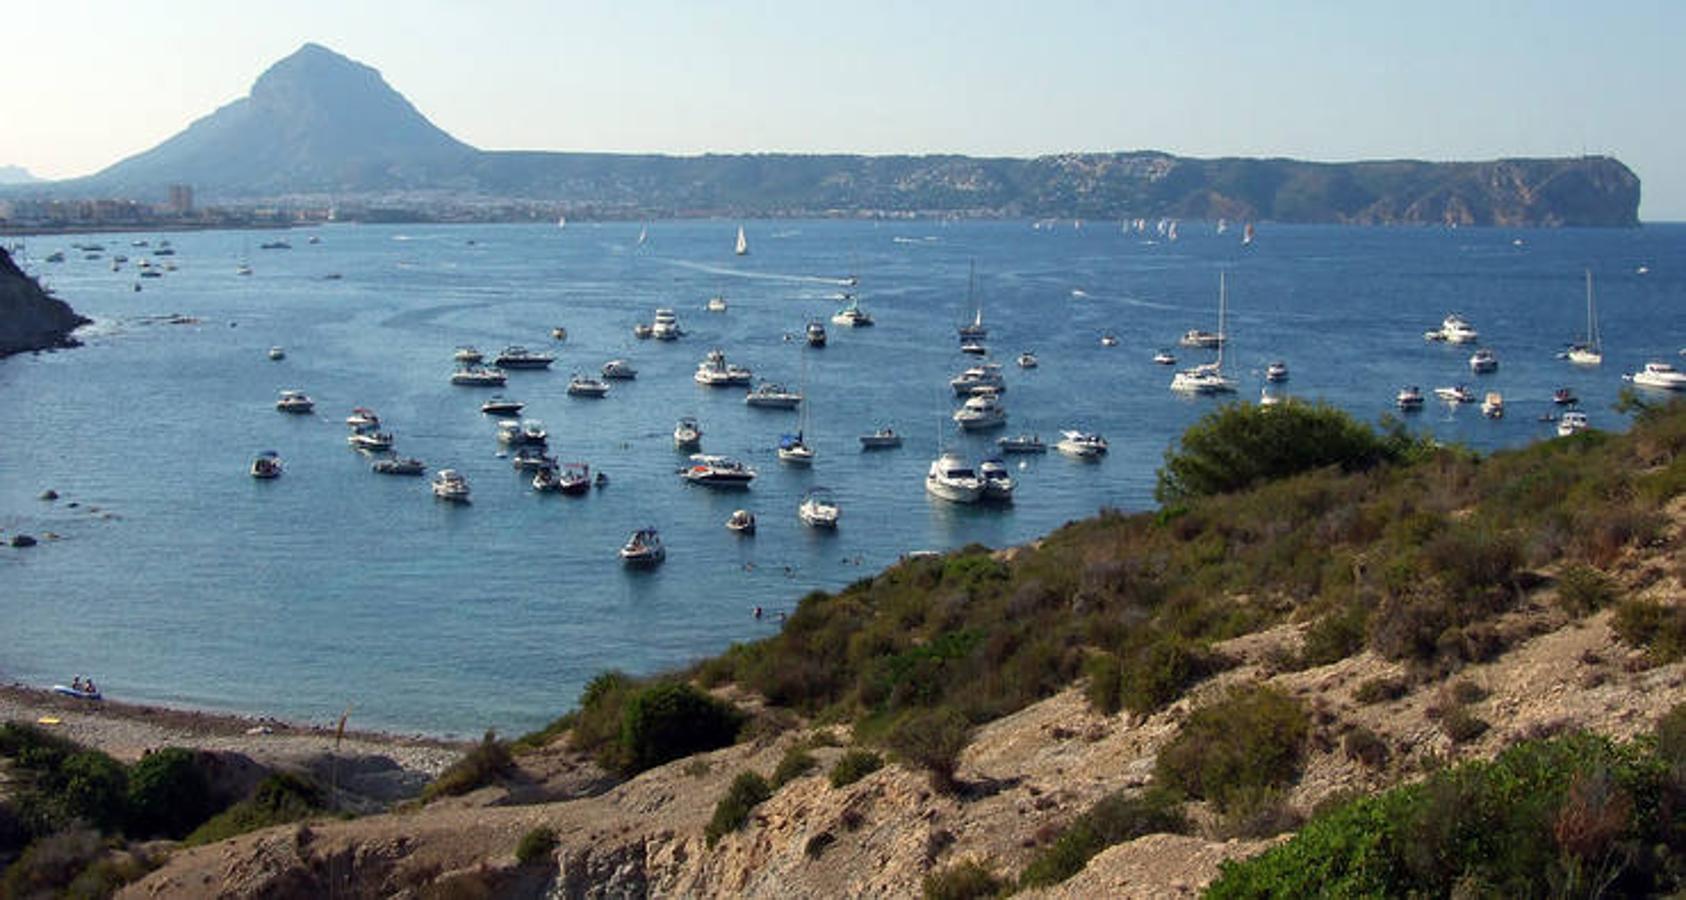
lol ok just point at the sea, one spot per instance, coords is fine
(171, 576)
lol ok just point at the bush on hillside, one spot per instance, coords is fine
(280, 798)
(1254, 738)
(933, 740)
(1583, 590)
(1159, 666)
(536, 845)
(853, 766)
(1114, 819)
(485, 763)
(746, 792)
(89, 787)
(1242, 445)
(671, 720)
(795, 763)
(169, 794)
(967, 880)
(1658, 628)
(1106, 683)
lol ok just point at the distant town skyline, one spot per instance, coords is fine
(93, 83)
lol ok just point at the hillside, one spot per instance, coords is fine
(30, 319)
(1115, 710)
(318, 125)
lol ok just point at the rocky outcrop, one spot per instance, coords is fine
(30, 318)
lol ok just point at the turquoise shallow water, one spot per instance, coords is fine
(194, 584)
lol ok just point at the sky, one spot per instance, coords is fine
(89, 83)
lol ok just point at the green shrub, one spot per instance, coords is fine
(1258, 812)
(536, 845)
(1106, 683)
(596, 726)
(672, 720)
(1658, 628)
(1335, 635)
(488, 761)
(1159, 668)
(169, 794)
(747, 791)
(1242, 445)
(966, 880)
(1114, 819)
(1253, 738)
(795, 763)
(1461, 725)
(1365, 746)
(933, 740)
(1583, 590)
(853, 766)
(51, 864)
(34, 748)
(1379, 690)
(280, 798)
(93, 788)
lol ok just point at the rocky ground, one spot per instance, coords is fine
(29, 318)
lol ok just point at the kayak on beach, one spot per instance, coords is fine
(78, 693)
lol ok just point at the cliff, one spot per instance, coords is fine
(30, 319)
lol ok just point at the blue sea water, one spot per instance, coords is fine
(177, 578)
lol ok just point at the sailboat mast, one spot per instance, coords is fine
(1223, 301)
(1591, 317)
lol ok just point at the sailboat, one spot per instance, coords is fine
(1247, 234)
(794, 448)
(743, 243)
(976, 329)
(561, 221)
(1209, 378)
(643, 234)
(1589, 352)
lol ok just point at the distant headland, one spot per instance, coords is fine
(319, 130)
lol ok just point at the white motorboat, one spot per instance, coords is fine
(546, 480)
(1108, 339)
(559, 333)
(1455, 394)
(1028, 360)
(768, 395)
(479, 376)
(818, 508)
(363, 417)
(1021, 443)
(1409, 398)
(1659, 375)
(1082, 444)
(1276, 372)
(401, 465)
(1267, 397)
(742, 521)
(1454, 329)
(575, 479)
(665, 327)
(795, 450)
(715, 371)
(449, 484)
(467, 356)
(1165, 358)
(716, 304)
(277, 353)
(1483, 361)
(717, 471)
(1493, 405)
(644, 548)
(1589, 352)
(500, 405)
(266, 465)
(998, 483)
(952, 478)
(851, 315)
(295, 402)
(816, 334)
(1197, 338)
(518, 357)
(1572, 422)
(977, 378)
(619, 369)
(370, 441)
(1564, 397)
(586, 386)
(522, 433)
(983, 410)
(531, 458)
(687, 435)
(974, 348)
(643, 330)
(881, 439)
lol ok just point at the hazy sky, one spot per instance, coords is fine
(88, 83)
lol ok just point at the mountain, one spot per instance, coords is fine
(318, 123)
(16, 175)
(30, 318)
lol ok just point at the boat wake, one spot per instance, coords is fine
(712, 269)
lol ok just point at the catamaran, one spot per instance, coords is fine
(1209, 378)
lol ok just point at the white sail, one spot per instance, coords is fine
(743, 243)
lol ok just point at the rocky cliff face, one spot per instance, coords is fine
(29, 318)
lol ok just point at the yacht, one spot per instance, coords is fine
(586, 386)
(1659, 375)
(1021, 443)
(619, 369)
(1493, 405)
(687, 435)
(277, 353)
(295, 402)
(362, 417)
(851, 315)
(500, 405)
(399, 465)
(998, 482)
(1572, 422)
(818, 508)
(643, 330)
(545, 480)
(982, 410)
(1081, 444)
(1196, 338)
(1164, 358)
(371, 441)
(768, 395)
(882, 439)
(816, 334)
(1455, 394)
(952, 478)
(976, 378)
(716, 304)
(559, 333)
(1207, 378)
(1028, 360)
(644, 548)
(717, 471)
(267, 465)
(1276, 372)
(517, 357)
(714, 371)
(1589, 352)
(1483, 361)
(531, 459)
(449, 484)
(794, 450)
(1564, 397)
(1409, 398)
(479, 376)
(1454, 329)
(1108, 339)
(974, 348)
(665, 327)
(522, 433)
(467, 356)
(243, 269)
(575, 479)
(742, 521)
